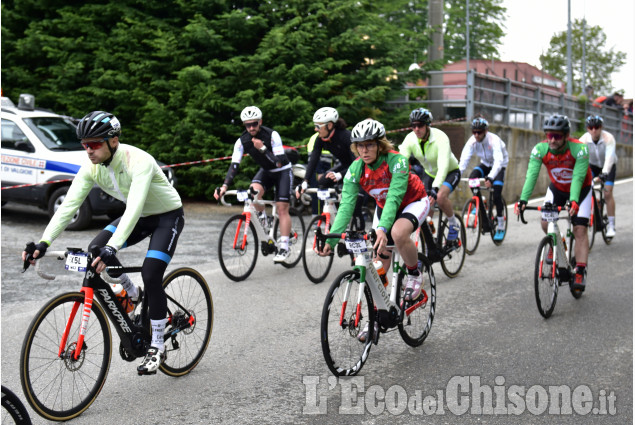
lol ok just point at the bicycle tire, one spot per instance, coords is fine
(48, 381)
(315, 266)
(415, 327)
(494, 221)
(186, 348)
(473, 227)
(344, 354)
(452, 263)
(573, 264)
(295, 239)
(14, 408)
(605, 222)
(545, 278)
(237, 263)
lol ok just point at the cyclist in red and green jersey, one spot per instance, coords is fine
(402, 202)
(567, 162)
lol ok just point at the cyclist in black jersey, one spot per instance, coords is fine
(334, 137)
(264, 145)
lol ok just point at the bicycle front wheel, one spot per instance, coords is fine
(14, 411)
(494, 219)
(238, 248)
(452, 261)
(315, 266)
(605, 223)
(58, 386)
(189, 329)
(341, 324)
(473, 226)
(419, 313)
(295, 239)
(545, 278)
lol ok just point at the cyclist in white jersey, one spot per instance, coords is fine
(153, 208)
(603, 162)
(494, 159)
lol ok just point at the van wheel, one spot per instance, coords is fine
(82, 217)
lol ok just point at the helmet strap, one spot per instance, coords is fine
(328, 138)
(112, 153)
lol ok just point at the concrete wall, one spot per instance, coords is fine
(519, 144)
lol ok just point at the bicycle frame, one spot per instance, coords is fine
(250, 211)
(476, 186)
(330, 209)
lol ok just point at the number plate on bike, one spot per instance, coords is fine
(242, 195)
(77, 262)
(356, 245)
(550, 216)
(323, 194)
(474, 182)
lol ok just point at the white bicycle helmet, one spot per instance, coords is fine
(251, 113)
(325, 114)
(369, 129)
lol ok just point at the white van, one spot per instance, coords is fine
(40, 149)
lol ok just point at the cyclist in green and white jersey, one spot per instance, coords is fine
(153, 208)
(431, 147)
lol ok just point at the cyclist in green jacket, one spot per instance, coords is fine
(431, 147)
(153, 208)
(567, 162)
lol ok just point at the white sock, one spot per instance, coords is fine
(158, 329)
(452, 221)
(129, 287)
(501, 222)
(284, 242)
(612, 221)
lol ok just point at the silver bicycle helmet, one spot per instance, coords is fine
(480, 124)
(421, 115)
(369, 129)
(325, 114)
(594, 121)
(251, 113)
(98, 124)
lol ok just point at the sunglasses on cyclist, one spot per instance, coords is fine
(417, 125)
(594, 127)
(477, 132)
(320, 126)
(251, 124)
(93, 145)
(555, 136)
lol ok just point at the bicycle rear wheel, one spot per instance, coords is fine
(14, 411)
(58, 387)
(605, 223)
(315, 266)
(189, 329)
(419, 314)
(295, 239)
(452, 262)
(494, 220)
(237, 261)
(344, 354)
(473, 226)
(545, 278)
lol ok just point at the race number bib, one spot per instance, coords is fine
(474, 182)
(77, 262)
(323, 194)
(356, 246)
(242, 195)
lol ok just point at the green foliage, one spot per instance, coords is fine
(601, 61)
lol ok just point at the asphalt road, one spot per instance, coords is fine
(264, 363)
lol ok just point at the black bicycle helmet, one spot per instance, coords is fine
(480, 124)
(369, 129)
(98, 124)
(557, 123)
(594, 121)
(421, 115)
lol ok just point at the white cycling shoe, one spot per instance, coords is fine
(151, 361)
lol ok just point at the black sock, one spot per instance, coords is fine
(413, 271)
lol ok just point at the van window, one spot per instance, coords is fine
(11, 134)
(57, 133)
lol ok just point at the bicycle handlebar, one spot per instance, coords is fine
(321, 237)
(252, 193)
(545, 208)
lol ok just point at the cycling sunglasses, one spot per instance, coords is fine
(594, 127)
(94, 145)
(554, 136)
(417, 125)
(479, 132)
(251, 124)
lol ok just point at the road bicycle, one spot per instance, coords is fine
(555, 260)
(437, 248)
(357, 299)
(238, 241)
(13, 411)
(599, 219)
(66, 352)
(480, 216)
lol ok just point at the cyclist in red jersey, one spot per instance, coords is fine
(567, 161)
(402, 202)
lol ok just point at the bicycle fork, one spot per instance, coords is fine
(243, 243)
(88, 305)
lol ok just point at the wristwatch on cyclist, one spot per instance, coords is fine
(263, 149)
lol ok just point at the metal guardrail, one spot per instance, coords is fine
(519, 104)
